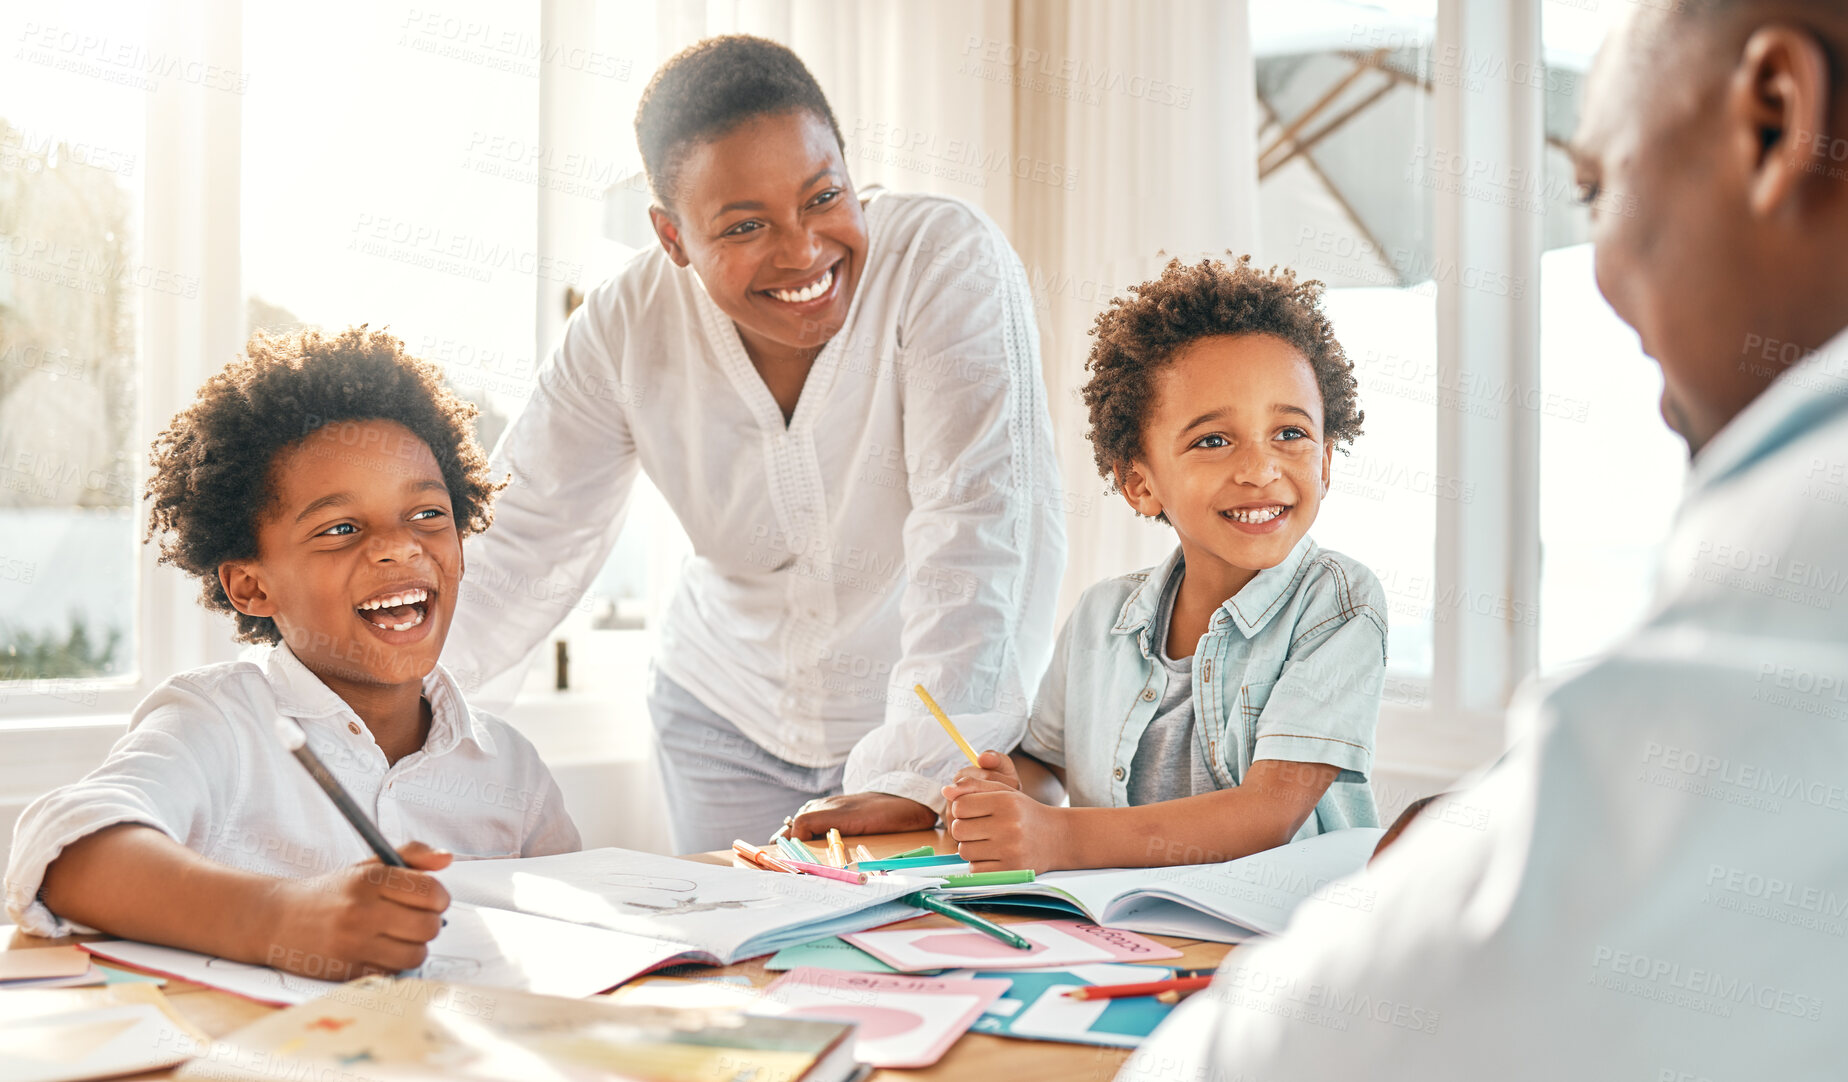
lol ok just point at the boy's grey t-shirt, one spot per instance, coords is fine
(1168, 763)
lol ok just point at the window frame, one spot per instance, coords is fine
(1488, 548)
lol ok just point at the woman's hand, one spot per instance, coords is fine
(861, 813)
(366, 918)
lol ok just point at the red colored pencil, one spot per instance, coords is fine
(1146, 988)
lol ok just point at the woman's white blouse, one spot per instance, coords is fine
(904, 527)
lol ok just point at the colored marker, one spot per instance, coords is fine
(943, 719)
(795, 850)
(924, 900)
(826, 872)
(894, 864)
(758, 857)
(837, 849)
(988, 879)
(920, 851)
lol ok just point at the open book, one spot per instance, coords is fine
(1225, 903)
(714, 913)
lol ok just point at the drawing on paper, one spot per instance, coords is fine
(666, 896)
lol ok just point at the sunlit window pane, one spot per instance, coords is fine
(72, 102)
(1344, 107)
(1611, 472)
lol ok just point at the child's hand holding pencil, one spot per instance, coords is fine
(363, 919)
(991, 767)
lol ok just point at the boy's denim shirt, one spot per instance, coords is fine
(1291, 667)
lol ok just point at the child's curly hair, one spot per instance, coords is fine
(1137, 336)
(212, 466)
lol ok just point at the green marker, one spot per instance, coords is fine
(988, 879)
(920, 851)
(923, 900)
(891, 864)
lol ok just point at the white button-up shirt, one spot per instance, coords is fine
(202, 764)
(905, 525)
(1654, 883)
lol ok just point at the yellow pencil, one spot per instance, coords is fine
(948, 726)
(837, 849)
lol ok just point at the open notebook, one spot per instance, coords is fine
(577, 923)
(1225, 903)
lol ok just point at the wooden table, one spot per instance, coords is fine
(975, 1056)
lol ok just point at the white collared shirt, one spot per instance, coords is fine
(905, 526)
(202, 764)
(1654, 883)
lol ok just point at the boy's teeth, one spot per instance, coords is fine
(806, 293)
(1255, 514)
(409, 597)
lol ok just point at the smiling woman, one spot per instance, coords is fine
(841, 400)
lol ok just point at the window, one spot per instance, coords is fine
(1611, 472)
(1345, 118)
(72, 162)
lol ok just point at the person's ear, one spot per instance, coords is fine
(1133, 483)
(244, 586)
(667, 231)
(1328, 458)
(1781, 92)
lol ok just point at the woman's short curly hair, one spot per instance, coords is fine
(1137, 335)
(214, 465)
(711, 87)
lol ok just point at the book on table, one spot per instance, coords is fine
(377, 1028)
(1226, 902)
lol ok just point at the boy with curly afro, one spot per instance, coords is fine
(1223, 702)
(319, 490)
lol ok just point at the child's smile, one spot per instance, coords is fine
(397, 613)
(358, 555)
(1233, 454)
(1257, 518)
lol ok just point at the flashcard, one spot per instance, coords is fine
(828, 953)
(1054, 943)
(1036, 1007)
(900, 1021)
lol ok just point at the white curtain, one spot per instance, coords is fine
(1103, 136)
(1165, 166)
